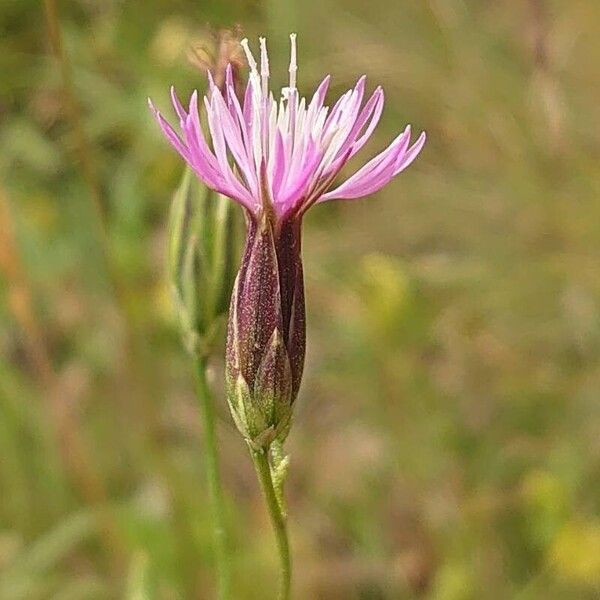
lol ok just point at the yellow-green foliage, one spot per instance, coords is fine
(445, 444)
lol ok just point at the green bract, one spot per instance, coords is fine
(201, 261)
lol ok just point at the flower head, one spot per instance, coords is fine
(287, 152)
(277, 158)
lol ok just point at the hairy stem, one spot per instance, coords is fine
(263, 470)
(215, 489)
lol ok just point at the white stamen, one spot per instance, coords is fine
(264, 66)
(293, 65)
(249, 57)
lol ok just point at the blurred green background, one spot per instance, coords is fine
(447, 437)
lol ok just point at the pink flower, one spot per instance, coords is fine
(277, 158)
(286, 152)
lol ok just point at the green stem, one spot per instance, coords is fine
(215, 489)
(263, 470)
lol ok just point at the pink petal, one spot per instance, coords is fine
(375, 174)
(299, 186)
(378, 100)
(233, 138)
(177, 105)
(170, 133)
(220, 147)
(279, 166)
(319, 96)
(372, 110)
(410, 156)
(248, 104)
(195, 137)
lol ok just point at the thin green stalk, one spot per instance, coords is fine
(215, 489)
(263, 470)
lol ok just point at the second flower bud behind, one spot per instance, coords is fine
(201, 262)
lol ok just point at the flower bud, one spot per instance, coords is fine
(201, 261)
(215, 51)
(266, 332)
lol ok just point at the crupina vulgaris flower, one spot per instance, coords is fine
(277, 158)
